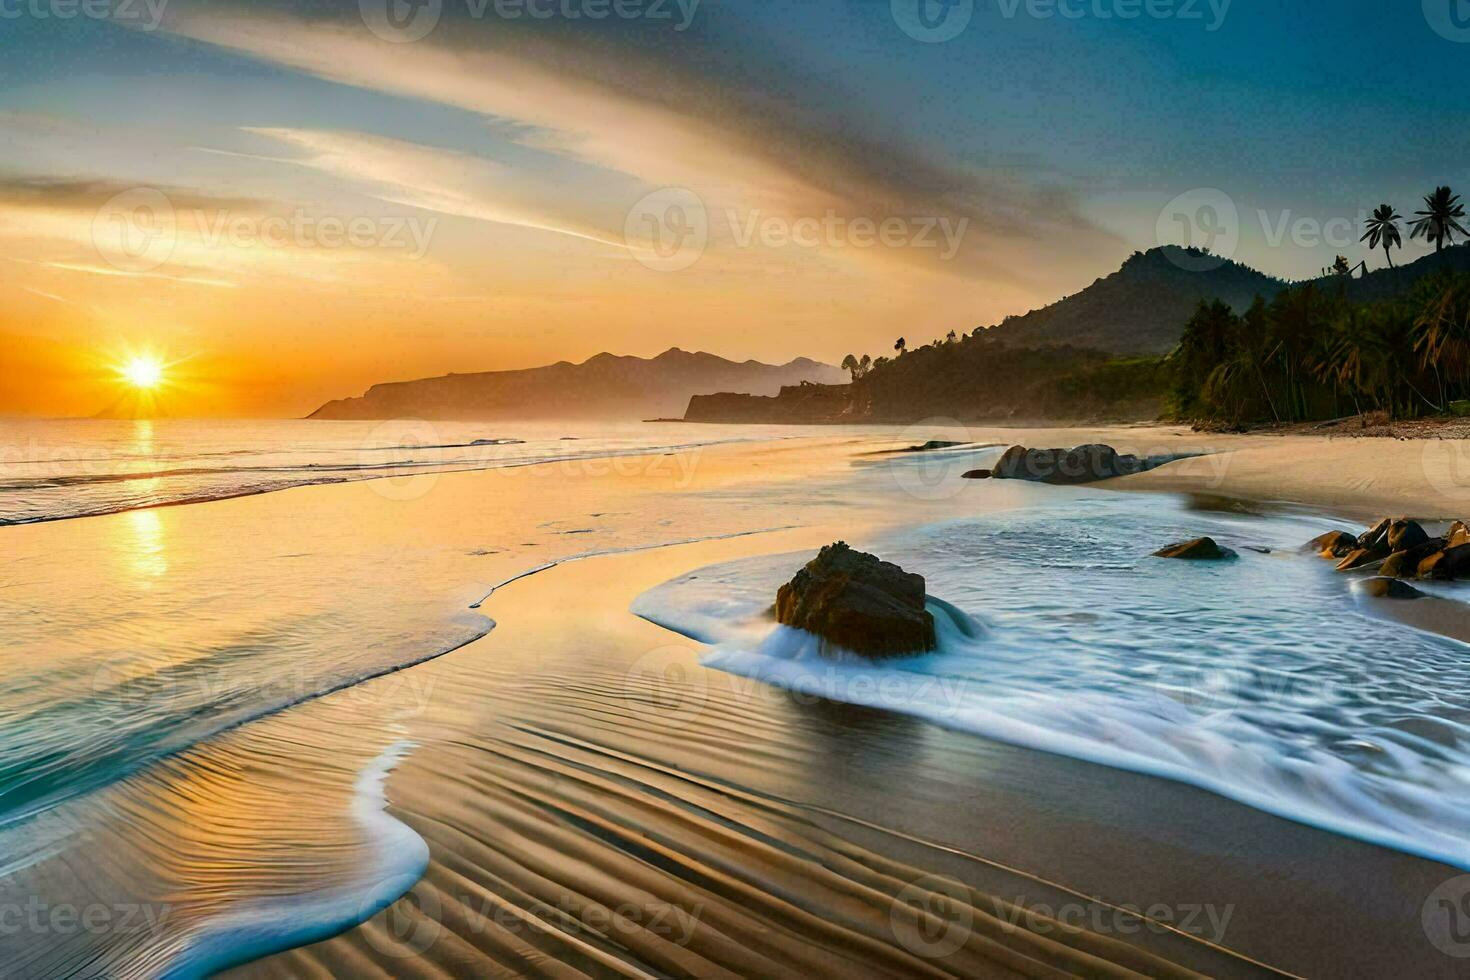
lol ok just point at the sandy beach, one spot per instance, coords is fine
(592, 801)
(802, 832)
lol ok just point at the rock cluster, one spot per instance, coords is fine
(1085, 464)
(858, 602)
(1398, 548)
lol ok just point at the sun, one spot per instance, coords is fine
(143, 372)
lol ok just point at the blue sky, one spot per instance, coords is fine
(1058, 142)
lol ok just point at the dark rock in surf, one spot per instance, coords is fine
(1373, 547)
(1399, 548)
(977, 475)
(858, 602)
(931, 446)
(1458, 534)
(1085, 464)
(1388, 588)
(1450, 563)
(1362, 558)
(1374, 539)
(1405, 534)
(1405, 563)
(1200, 549)
(1333, 544)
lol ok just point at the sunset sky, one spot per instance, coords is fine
(290, 201)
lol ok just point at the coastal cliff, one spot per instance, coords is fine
(793, 404)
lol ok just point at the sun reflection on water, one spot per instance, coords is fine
(143, 437)
(146, 546)
(146, 549)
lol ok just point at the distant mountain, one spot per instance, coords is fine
(605, 386)
(1141, 308)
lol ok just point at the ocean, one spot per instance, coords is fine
(54, 470)
(149, 619)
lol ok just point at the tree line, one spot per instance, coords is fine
(1310, 353)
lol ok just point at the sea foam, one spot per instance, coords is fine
(1263, 680)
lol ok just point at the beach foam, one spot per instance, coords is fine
(399, 858)
(82, 468)
(1264, 680)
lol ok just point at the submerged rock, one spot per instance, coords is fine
(1200, 549)
(931, 446)
(859, 603)
(977, 475)
(1389, 588)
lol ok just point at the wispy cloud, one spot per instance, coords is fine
(43, 294)
(434, 179)
(98, 270)
(666, 119)
(88, 195)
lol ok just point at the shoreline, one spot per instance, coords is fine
(1442, 427)
(1419, 476)
(1341, 474)
(554, 763)
(1028, 834)
(1022, 808)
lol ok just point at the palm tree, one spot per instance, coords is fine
(1356, 360)
(864, 366)
(1384, 227)
(1442, 334)
(1439, 222)
(900, 345)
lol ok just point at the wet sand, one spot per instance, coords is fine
(596, 803)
